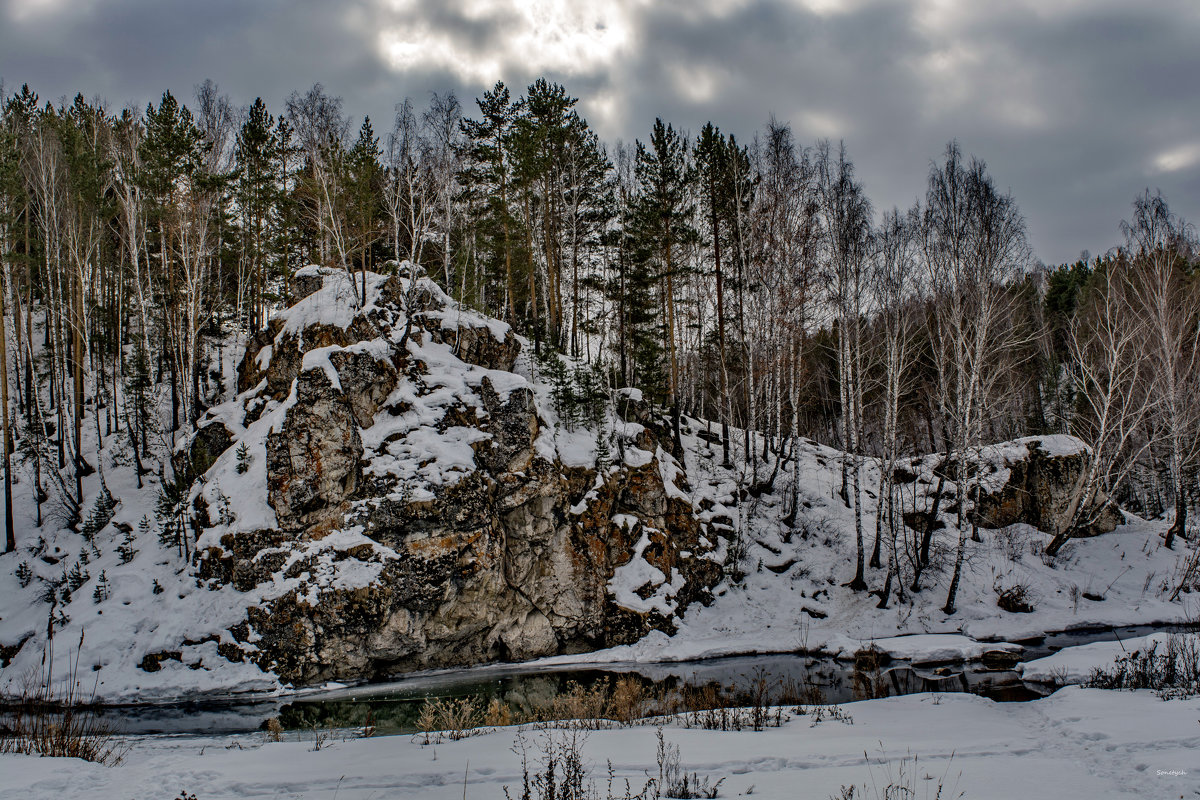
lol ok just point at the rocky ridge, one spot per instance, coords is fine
(392, 490)
(392, 493)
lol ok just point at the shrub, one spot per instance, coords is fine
(1172, 671)
(65, 725)
(451, 719)
(1016, 599)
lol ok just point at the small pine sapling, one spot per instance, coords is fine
(24, 574)
(101, 514)
(562, 392)
(243, 459)
(49, 593)
(76, 577)
(101, 592)
(591, 394)
(170, 510)
(125, 549)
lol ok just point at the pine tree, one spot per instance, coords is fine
(365, 189)
(76, 577)
(243, 459)
(712, 157)
(486, 182)
(24, 574)
(125, 549)
(664, 209)
(102, 590)
(259, 194)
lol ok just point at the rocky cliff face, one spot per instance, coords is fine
(1028, 480)
(392, 490)
(419, 506)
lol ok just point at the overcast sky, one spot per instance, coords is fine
(1076, 105)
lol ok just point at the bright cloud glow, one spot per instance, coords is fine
(1179, 158)
(538, 36)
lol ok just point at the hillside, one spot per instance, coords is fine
(401, 484)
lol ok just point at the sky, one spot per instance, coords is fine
(1075, 105)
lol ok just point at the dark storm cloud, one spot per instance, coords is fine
(1076, 105)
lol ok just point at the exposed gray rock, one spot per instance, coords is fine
(473, 343)
(250, 370)
(513, 424)
(1035, 490)
(510, 560)
(366, 382)
(305, 282)
(210, 440)
(313, 460)
(1038, 492)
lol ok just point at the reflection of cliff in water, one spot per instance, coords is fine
(394, 707)
(789, 680)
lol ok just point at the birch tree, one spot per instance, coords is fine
(894, 286)
(1107, 342)
(845, 215)
(973, 242)
(1159, 245)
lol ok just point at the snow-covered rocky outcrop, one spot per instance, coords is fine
(392, 492)
(1029, 481)
(391, 488)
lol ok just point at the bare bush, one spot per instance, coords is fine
(1172, 670)
(1016, 599)
(908, 780)
(63, 724)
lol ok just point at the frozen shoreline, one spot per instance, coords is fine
(915, 649)
(1077, 743)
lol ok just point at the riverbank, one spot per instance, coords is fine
(1078, 743)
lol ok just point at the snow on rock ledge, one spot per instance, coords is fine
(403, 503)
(1027, 480)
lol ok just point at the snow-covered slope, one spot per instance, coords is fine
(357, 442)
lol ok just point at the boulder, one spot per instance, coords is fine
(210, 440)
(1039, 489)
(366, 381)
(308, 280)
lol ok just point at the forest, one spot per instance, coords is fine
(749, 283)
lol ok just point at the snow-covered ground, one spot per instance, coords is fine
(789, 596)
(792, 596)
(1073, 665)
(1075, 744)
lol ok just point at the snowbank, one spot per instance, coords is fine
(1078, 744)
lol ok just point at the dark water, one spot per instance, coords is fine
(394, 707)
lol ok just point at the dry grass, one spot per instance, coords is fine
(64, 724)
(906, 779)
(760, 703)
(1172, 670)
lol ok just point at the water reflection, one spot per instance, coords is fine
(394, 707)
